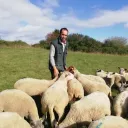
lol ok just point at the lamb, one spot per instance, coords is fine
(120, 104)
(92, 107)
(56, 97)
(89, 85)
(75, 89)
(118, 80)
(101, 73)
(109, 122)
(104, 75)
(12, 120)
(13, 100)
(33, 86)
(124, 72)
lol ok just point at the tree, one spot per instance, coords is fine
(116, 41)
(116, 45)
(52, 36)
(73, 40)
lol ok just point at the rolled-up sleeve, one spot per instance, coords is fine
(52, 54)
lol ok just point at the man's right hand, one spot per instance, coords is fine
(56, 72)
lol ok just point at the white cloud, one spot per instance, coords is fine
(126, 25)
(104, 18)
(20, 19)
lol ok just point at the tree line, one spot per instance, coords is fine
(79, 42)
(84, 43)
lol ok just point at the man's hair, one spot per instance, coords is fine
(63, 29)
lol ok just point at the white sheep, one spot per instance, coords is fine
(109, 122)
(33, 86)
(101, 73)
(12, 120)
(90, 85)
(13, 100)
(94, 78)
(118, 80)
(124, 72)
(92, 107)
(75, 89)
(105, 75)
(120, 104)
(56, 97)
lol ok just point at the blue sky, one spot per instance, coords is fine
(31, 20)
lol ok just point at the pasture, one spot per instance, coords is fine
(17, 63)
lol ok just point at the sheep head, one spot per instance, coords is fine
(71, 69)
(67, 75)
(37, 124)
(122, 70)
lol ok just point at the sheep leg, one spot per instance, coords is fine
(52, 117)
(59, 111)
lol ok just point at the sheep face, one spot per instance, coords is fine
(123, 70)
(37, 124)
(123, 87)
(71, 69)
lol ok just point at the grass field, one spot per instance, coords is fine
(16, 63)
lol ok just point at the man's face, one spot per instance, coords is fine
(63, 35)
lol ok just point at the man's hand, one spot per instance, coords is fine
(65, 67)
(56, 72)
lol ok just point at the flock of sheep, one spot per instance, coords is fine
(89, 97)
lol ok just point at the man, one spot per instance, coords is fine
(58, 52)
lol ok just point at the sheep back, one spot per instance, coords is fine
(91, 107)
(14, 100)
(12, 120)
(109, 122)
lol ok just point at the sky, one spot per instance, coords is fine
(32, 20)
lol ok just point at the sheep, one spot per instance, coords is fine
(109, 122)
(56, 97)
(13, 100)
(90, 85)
(118, 80)
(75, 89)
(120, 104)
(12, 120)
(124, 72)
(33, 86)
(94, 78)
(92, 107)
(104, 75)
(101, 73)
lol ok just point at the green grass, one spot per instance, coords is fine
(17, 63)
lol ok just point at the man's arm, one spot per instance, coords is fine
(52, 60)
(52, 54)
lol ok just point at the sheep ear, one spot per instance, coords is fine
(98, 70)
(126, 69)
